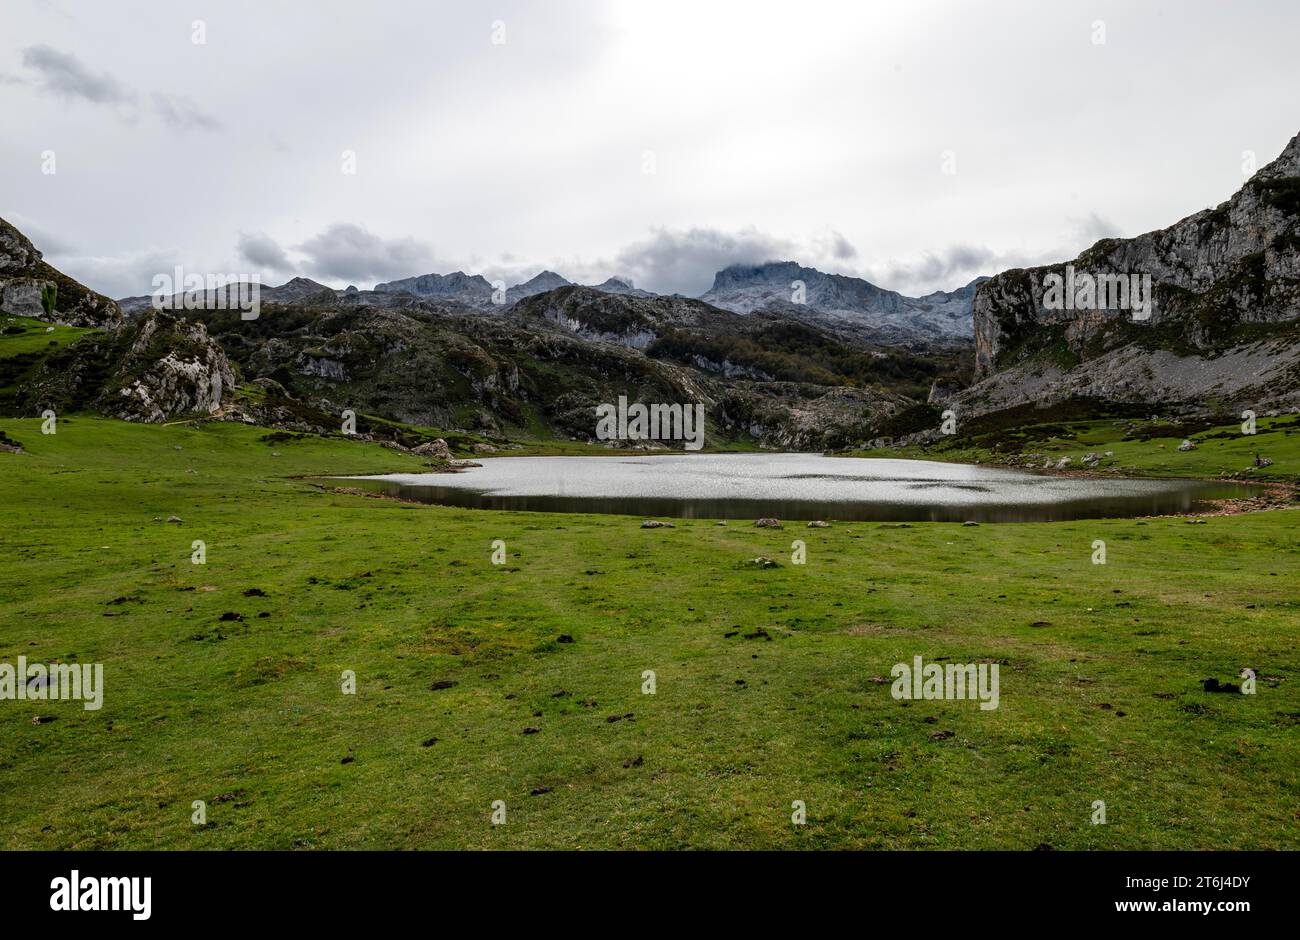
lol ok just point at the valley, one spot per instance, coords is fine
(222, 681)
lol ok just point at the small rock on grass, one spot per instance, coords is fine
(656, 524)
(767, 523)
(819, 524)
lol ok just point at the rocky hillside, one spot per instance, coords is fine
(422, 352)
(543, 367)
(28, 286)
(845, 302)
(150, 368)
(1223, 331)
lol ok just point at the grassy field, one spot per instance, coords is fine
(1219, 451)
(767, 684)
(26, 335)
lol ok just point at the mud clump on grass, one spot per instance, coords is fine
(1214, 685)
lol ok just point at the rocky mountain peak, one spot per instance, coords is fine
(1224, 290)
(16, 250)
(28, 283)
(748, 275)
(1287, 163)
(842, 301)
(548, 279)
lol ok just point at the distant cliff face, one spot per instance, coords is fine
(847, 302)
(23, 276)
(465, 288)
(1222, 328)
(1223, 282)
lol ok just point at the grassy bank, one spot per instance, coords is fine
(1137, 448)
(766, 678)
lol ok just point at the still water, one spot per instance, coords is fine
(794, 487)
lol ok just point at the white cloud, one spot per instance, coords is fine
(812, 133)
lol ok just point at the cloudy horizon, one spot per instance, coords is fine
(917, 145)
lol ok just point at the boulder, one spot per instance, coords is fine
(435, 448)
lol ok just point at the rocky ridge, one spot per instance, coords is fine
(1224, 329)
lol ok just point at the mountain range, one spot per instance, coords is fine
(780, 354)
(837, 301)
(538, 365)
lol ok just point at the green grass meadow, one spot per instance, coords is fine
(1100, 687)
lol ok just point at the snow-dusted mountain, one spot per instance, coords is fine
(848, 302)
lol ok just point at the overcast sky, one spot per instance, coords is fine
(650, 139)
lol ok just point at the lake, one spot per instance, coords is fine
(795, 487)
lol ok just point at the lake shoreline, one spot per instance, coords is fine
(809, 486)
